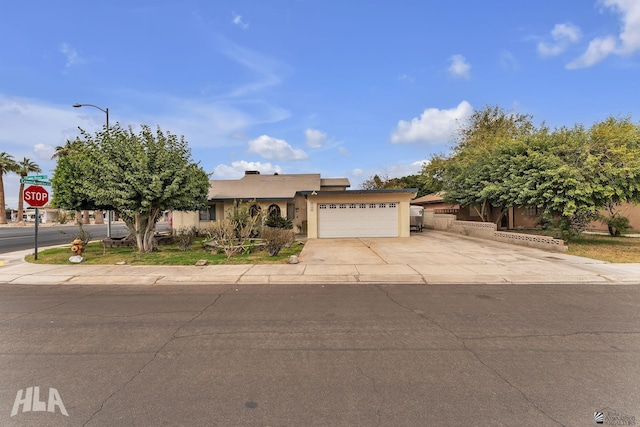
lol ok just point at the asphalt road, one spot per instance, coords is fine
(23, 238)
(294, 355)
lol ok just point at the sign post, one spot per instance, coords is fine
(36, 197)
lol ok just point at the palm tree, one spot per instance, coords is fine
(23, 169)
(7, 164)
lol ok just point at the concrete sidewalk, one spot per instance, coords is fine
(427, 258)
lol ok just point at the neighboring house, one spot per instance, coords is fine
(318, 207)
(517, 216)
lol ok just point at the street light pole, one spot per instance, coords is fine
(105, 111)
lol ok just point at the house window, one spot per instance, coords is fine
(254, 210)
(332, 206)
(532, 211)
(372, 206)
(342, 206)
(393, 205)
(274, 211)
(208, 214)
(383, 205)
(363, 205)
(352, 206)
(322, 206)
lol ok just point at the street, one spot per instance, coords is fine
(339, 354)
(23, 238)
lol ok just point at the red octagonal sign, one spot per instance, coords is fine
(36, 196)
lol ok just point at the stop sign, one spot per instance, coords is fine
(36, 196)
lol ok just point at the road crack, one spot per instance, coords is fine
(155, 355)
(471, 351)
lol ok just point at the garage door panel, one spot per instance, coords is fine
(357, 220)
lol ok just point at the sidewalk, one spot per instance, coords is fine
(427, 258)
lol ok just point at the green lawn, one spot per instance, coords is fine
(165, 255)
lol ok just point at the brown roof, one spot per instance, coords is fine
(258, 186)
(429, 198)
(335, 182)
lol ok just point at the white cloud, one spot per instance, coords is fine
(71, 54)
(599, 48)
(315, 138)
(434, 126)
(268, 71)
(237, 20)
(508, 61)
(273, 148)
(459, 67)
(563, 36)
(627, 42)
(406, 78)
(44, 151)
(344, 152)
(238, 168)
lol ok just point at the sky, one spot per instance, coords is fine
(341, 88)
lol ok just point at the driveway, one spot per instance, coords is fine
(448, 257)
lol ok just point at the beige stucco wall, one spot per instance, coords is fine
(402, 199)
(187, 220)
(191, 219)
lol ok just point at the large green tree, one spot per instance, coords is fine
(501, 160)
(139, 175)
(7, 164)
(24, 168)
(474, 173)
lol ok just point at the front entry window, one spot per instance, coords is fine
(274, 211)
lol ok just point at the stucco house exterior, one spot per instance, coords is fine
(318, 207)
(517, 217)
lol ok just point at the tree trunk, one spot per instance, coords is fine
(3, 210)
(78, 217)
(144, 225)
(20, 203)
(99, 217)
(85, 217)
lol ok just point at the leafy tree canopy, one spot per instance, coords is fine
(139, 175)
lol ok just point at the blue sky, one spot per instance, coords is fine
(342, 88)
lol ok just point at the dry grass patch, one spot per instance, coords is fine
(606, 248)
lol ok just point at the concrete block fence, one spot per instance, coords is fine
(489, 231)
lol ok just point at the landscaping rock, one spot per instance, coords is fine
(202, 262)
(293, 259)
(76, 259)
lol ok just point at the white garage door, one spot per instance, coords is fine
(357, 220)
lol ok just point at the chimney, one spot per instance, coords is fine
(252, 172)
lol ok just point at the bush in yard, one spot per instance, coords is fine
(616, 223)
(233, 234)
(276, 238)
(278, 222)
(184, 237)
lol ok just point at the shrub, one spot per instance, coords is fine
(184, 237)
(616, 223)
(274, 221)
(82, 234)
(276, 239)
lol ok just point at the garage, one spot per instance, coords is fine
(357, 220)
(358, 213)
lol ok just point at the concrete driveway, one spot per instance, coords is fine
(451, 258)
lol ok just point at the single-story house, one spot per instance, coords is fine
(517, 217)
(318, 207)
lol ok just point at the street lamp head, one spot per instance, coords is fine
(77, 105)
